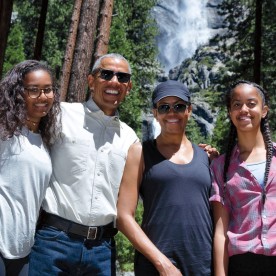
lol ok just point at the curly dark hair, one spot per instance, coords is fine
(232, 138)
(13, 113)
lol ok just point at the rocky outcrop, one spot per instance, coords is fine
(215, 21)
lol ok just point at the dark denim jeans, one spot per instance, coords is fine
(57, 253)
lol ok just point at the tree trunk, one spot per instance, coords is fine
(83, 51)
(258, 42)
(40, 30)
(69, 53)
(5, 22)
(103, 29)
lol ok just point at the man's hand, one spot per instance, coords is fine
(211, 152)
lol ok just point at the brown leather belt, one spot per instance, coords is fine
(70, 227)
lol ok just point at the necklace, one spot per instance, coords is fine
(32, 125)
(32, 122)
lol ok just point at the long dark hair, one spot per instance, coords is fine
(232, 138)
(13, 113)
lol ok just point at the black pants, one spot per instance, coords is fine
(250, 264)
(14, 267)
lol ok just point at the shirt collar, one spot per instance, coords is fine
(92, 106)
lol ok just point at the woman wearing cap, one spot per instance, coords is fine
(171, 175)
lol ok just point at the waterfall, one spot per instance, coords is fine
(183, 26)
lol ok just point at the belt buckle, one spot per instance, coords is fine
(92, 233)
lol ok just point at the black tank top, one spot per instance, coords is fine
(177, 216)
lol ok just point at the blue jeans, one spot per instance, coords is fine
(57, 253)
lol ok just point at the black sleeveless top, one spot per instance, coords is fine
(177, 215)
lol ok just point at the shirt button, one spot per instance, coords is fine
(264, 216)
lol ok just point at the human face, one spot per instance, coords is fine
(38, 107)
(108, 94)
(247, 108)
(172, 121)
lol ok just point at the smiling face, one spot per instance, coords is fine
(247, 108)
(37, 107)
(172, 122)
(108, 94)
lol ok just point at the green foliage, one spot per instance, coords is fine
(56, 29)
(56, 32)
(28, 16)
(239, 18)
(15, 50)
(193, 132)
(269, 58)
(221, 131)
(125, 250)
(207, 61)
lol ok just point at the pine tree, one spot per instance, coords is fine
(15, 50)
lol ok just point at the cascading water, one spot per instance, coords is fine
(183, 26)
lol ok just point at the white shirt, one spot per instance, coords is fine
(88, 164)
(25, 171)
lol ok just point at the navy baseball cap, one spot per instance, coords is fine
(170, 88)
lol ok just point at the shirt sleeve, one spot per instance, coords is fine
(218, 191)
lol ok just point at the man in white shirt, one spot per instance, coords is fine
(76, 232)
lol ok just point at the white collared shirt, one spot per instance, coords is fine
(88, 164)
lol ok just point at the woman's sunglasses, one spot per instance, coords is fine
(177, 108)
(109, 74)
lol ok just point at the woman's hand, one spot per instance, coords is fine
(166, 268)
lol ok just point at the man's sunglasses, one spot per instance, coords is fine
(109, 74)
(177, 108)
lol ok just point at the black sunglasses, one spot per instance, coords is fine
(109, 74)
(177, 108)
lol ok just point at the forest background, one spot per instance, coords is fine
(248, 48)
